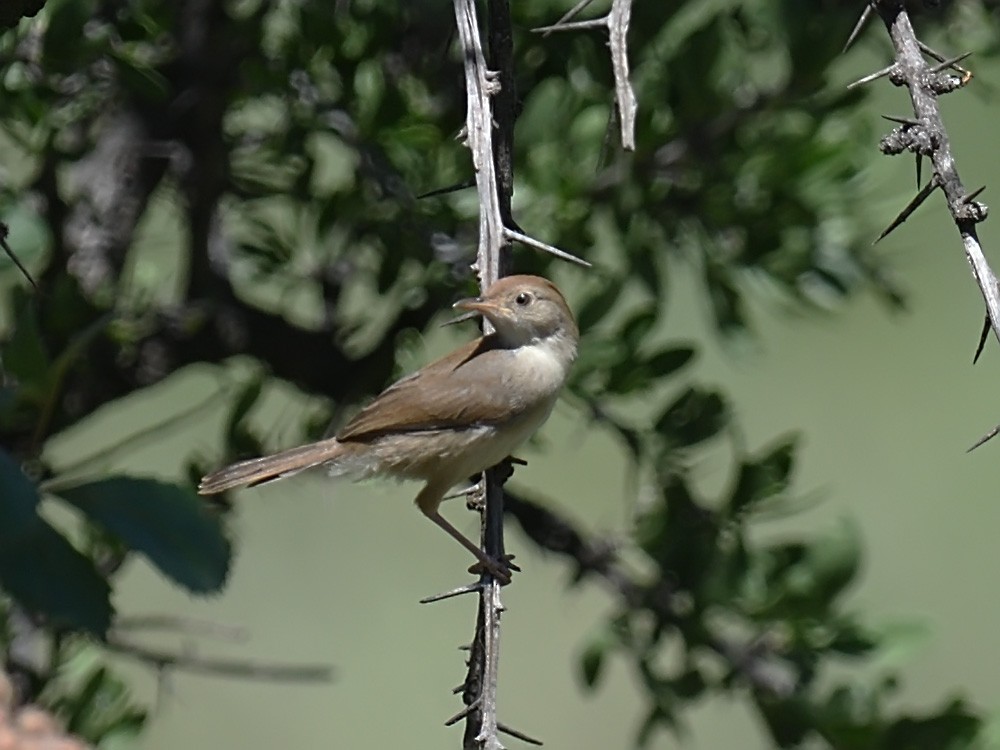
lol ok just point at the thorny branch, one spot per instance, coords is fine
(925, 136)
(492, 259)
(616, 22)
(491, 100)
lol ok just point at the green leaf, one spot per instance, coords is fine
(18, 500)
(899, 643)
(596, 307)
(593, 657)
(638, 325)
(24, 356)
(956, 726)
(825, 569)
(102, 708)
(696, 415)
(668, 361)
(168, 524)
(727, 306)
(764, 478)
(44, 572)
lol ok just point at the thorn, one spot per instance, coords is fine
(518, 735)
(973, 195)
(572, 26)
(572, 12)
(902, 120)
(912, 206)
(872, 76)
(982, 339)
(951, 62)
(463, 713)
(524, 239)
(920, 163)
(988, 436)
(858, 27)
(966, 74)
(928, 51)
(469, 588)
(450, 189)
(4, 231)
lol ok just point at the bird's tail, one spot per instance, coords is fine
(257, 470)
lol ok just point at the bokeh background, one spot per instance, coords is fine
(886, 401)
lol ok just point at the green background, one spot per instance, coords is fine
(330, 573)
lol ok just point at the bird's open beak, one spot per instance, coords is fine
(479, 305)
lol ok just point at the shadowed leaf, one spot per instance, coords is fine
(168, 524)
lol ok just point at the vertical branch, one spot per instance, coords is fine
(925, 86)
(926, 137)
(480, 85)
(618, 20)
(616, 23)
(494, 183)
(491, 107)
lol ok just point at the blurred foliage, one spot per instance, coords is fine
(190, 181)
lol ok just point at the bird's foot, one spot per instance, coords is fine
(501, 570)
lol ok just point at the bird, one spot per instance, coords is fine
(453, 418)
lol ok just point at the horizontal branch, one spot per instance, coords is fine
(763, 668)
(234, 668)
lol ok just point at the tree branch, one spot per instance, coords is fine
(929, 138)
(754, 659)
(616, 23)
(492, 261)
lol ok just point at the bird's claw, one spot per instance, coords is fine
(500, 569)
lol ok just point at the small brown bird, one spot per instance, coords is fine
(455, 417)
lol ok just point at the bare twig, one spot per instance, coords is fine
(618, 20)
(617, 23)
(480, 690)
(919, 79)
(222, 667)
(4, 231)
(180, 625)
(532, 242)
(925, 86)
(752, 658)
(570, 14)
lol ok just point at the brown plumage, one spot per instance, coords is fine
(457, 415)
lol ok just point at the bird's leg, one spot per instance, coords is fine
(429, 499)
(498, 569)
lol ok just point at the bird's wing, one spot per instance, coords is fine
(438, 395)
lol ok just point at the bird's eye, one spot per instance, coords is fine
(523, 298)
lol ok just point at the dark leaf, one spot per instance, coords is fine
(954, 727)
(668, 361)
(696, 415)
(24, 355)
(168, 524)
(44, 572)
(595, 308)
(593, 657)
(764, 478)
(18, 500)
